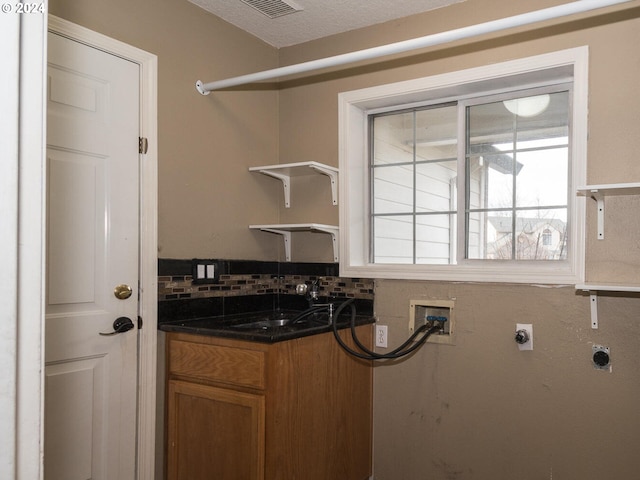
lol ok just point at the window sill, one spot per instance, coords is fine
(555, 274)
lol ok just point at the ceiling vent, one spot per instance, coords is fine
(273, 8)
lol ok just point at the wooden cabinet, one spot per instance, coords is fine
(299, 409)
(214, 433)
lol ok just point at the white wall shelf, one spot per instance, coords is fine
(595, 288)
(285, 171)
(599, 192)
(287, 229)
(608, 287)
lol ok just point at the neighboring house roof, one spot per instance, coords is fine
(524, 224)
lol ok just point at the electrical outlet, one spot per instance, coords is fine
(381, 336)
(601, 357)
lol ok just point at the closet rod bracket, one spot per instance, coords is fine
(201, 89)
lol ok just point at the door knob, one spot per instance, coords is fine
(120, 325)
(122, 292)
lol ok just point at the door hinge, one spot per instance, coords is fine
(139, 322)
(143, 145)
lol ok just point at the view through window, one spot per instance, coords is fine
(484, 178)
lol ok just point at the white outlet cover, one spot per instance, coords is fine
(381, 336)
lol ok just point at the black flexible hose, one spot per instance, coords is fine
(367, 354)
(305, 313)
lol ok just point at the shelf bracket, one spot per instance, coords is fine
(286, 229)
(286, 236)
(593, 301)
(334, 240)
(333, 177)
(599, 198)
(286, 183)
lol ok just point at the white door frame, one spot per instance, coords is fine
(147, 360)
(22, 142)
(23, 50)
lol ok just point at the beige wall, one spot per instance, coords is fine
(482, 409)
(477, 410)
(206, 196)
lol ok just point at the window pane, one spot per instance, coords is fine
(543, 178)
(477, 232)
(489, 125)
(414, 170)
(538, 235)
(393, 189)
(436, 186)
(393, 239)
(436, 133)
(393, 139)
(548, 128)
(534, 228)
(435, 239)
(489, 182)
(517, 178)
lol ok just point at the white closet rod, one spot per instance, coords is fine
(407, 45)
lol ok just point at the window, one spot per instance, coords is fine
(413, 169)
(514, 171)
(467, 176)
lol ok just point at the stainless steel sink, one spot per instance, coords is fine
(263, 324)
(284, 320)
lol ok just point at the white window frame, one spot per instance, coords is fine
(354, 109)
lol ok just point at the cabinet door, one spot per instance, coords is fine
(214, 433)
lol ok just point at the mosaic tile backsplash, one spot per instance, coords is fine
(176, 283)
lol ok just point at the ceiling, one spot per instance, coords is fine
(307, 20)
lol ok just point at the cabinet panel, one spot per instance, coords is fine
(235, 366)
(214, 433)
(320, 410)
(313, 414)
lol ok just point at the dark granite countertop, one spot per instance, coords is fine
(264, 326)
(236, 316)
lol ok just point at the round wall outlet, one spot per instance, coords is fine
(601, 358)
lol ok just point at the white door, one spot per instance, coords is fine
(92, 247)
